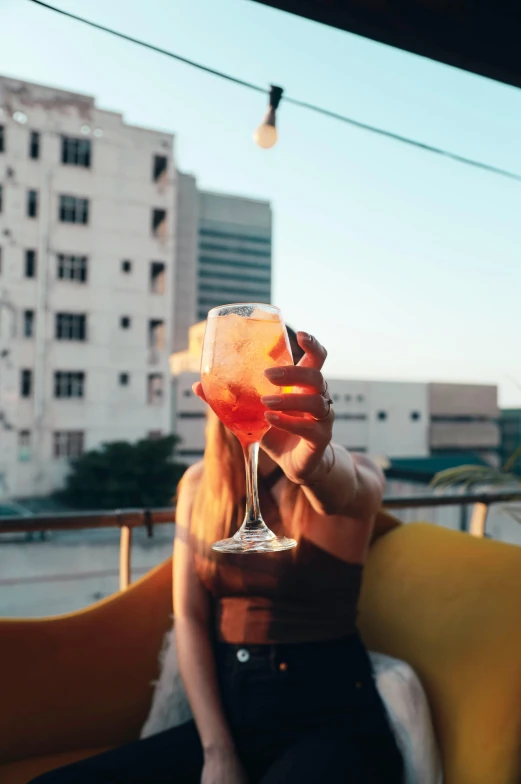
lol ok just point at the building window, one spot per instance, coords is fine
(71, 326)
(32, 204)
(73, 210)
(126, 266)
(213, 273)
(76, 152)
(159, 167)
(24, 446)
(26, 383)
(415, 416)
(347, 398)
(30, 263)
(230, 236)
(210, 262)
(155, 435)
(382, 415)
(72, 267)
(69, 384)
(125, 322)
(34, 145)
(68, 443)
(360, 398)
(158, 223)
(157, 277)
(2, 138)
(156, 334)
(124, 379)
(187, 393)
(1, 197)
(28, 326)
(155, 389)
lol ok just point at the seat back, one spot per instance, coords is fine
(450, 605)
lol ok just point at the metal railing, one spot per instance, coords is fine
(128, 519)
(125, 519)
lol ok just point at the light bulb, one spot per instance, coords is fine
(266, 136)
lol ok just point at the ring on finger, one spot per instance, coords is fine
(329, 404)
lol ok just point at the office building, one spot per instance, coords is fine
(223, 254)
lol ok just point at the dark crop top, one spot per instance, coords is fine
(300, 595)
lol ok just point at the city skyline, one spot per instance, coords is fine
(415, 258)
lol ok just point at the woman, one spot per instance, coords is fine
(278, 679)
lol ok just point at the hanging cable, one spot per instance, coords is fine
(293, 101)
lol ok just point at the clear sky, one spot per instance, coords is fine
(404, 265)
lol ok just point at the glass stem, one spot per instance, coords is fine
(253, 522)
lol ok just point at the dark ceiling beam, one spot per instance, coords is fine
(480, 36)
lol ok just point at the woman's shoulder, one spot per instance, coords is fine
(186, 492)
(190, 480)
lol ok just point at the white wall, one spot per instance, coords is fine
(404, 430)
(185, 291)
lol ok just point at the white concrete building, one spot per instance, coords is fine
(86, 282)
(223, 253)
(388, 418)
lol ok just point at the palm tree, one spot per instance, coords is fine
(469, 477)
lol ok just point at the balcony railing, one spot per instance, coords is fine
(128, 519)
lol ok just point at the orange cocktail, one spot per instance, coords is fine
(237, 352)
(241, 342)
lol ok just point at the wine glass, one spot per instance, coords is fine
(241, 342)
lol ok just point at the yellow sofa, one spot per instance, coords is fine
(446, 602)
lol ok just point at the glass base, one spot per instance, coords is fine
(254, 542)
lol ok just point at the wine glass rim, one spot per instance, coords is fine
(266, 306)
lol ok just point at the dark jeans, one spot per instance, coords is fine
(306, 713)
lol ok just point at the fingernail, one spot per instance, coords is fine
(271, 417)
(274, 372)
(271, 400)
(307, 338)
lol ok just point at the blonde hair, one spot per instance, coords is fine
(218, 508)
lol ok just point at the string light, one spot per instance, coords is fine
(294, 101)
(266, 134)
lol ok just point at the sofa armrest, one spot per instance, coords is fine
(449, 604)
(83, 679)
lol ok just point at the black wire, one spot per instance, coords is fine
(294, 101)
(158, 49)
(405, 140)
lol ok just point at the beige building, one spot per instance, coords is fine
(86, 281)
(387, 418)
(464, 417)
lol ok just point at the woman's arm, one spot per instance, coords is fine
(193, 630)
(345, 483)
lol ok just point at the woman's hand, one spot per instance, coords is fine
(298, 443)
(223, 767)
